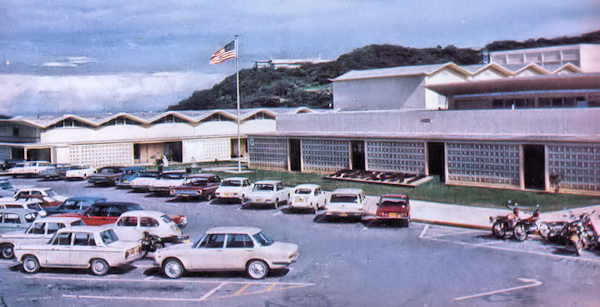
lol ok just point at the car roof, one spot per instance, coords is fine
(133, 167)
(20, 201)
(83, 229)
(18, 210)
(234, 229)
(114, 203)
(150, 213)
(34, 189)
(268, 181)
(311, 186)
(236, 178)
(51, 219)
(394, 196)
(85, 198)
(202, 176)
(347, 191)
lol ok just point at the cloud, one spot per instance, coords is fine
(132, 92)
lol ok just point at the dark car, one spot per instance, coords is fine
(74, 205)
(394, 207)
(107, 175)
(127, 175)
(197, 186)
(10, 163)
(55, 172)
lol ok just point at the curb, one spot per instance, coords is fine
(451, 224)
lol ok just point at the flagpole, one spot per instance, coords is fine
(237, 79)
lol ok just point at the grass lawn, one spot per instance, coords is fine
(431, 191)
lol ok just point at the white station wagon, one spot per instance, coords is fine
(131, 226)
(308, 196)
(346, 202)
(40, 231)
(227, 249)
(87, 247)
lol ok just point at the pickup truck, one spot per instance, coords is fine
(107, 175)
(268, 192)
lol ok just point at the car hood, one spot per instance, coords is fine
(167, 182)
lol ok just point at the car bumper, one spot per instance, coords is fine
(159, 189)
(344, 213)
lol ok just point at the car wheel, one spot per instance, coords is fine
(8, 251)
(99, 267)
(257, 269)
(31, 264)
(173, 268)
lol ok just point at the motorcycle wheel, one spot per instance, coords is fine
(499, 229)
(544, 231)
(520, 233)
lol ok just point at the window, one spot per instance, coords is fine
(239, 241)
(62, 239)
(148, 222)
(53, 227)
(128, 221)
(302, 191)
(263, 239)
(108, 236)
(36, 228)
(213, 241)
(84, 239)
(11, 218)
(30, 217)
(279, 186)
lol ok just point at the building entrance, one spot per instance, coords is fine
(436, 160)
(358, 155)
(534, 167)
(295, 155)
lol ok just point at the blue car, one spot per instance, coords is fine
(129, 173)
(74, 205)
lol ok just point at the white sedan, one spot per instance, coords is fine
(40, 231)
(86, 247)
(308, 196)
(234, 188)
(79, 172)
(268, 192)
(131, 226)
(227, 249)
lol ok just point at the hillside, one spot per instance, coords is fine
(310, 86)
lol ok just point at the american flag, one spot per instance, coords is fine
(223, 54)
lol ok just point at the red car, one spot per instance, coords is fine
(393, 207)
(197, 186)
(107, 213)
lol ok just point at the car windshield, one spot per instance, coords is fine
(147, 174)
(196, 182)
(344, 198)
(263, 239)
(263, 187)
(51, 193)
(109, 171)
(392, 202)
(166, 218)
(108, 236)
(302, 191)
(79, 167)
(132, 207)
(172, 176)
(231, 183)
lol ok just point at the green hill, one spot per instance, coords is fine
(309, 85)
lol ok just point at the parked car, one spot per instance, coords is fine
(16, 219)
(55, 172)
(102, 213)
(107, 175)
(167, 179)
(10, 163)
(74, 204)
(31, 204)
(23, 192)
(79, 172)
(129, 173)
(227, 249)
(30, 168)
(6, 189)
(131, 226)
(85, 247)
(268, 192)
(44, 201)
(144, 180)
(197, 186)
(39, 232)
(234, 188)
(345, 202)
(308, 196)
(393, 207)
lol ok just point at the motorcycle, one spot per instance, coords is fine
(577, 233)
(529, 225)
(150, 242)
(503, 224)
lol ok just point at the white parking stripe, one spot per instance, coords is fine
(211, 292)
(182, 280)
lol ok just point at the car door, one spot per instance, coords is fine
(82, 249)
(208, 255)
(238, 250)
(10, 222)
(58, 252)
(127, 228)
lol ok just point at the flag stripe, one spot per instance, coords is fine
(223, 54)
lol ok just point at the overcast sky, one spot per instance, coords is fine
(75, 56)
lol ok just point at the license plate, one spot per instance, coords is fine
(300, 200)
(226, 194)
(185, 195)
(393, 214)
(258, 200)
(343, 214)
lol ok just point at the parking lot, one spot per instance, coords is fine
(341, 263)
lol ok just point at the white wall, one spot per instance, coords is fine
(379, 93)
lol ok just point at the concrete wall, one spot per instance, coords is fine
(590, 58)
(379, 93)
(575, 122)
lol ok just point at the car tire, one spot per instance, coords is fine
(7, 251)
(257, 269)
(99, 267)
(31, 264)
(172, 268)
